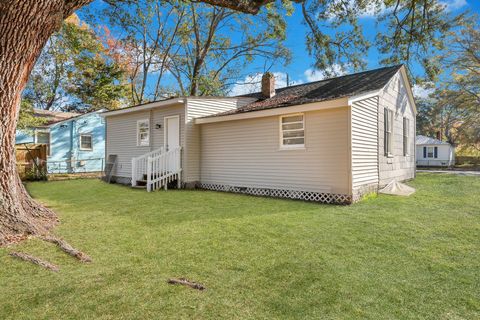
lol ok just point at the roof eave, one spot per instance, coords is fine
(75, 117)
(403, 71)
(143, 107)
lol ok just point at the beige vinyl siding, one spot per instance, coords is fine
(158, 117)
(246, 153)
(121, 138)
(364, 120)
(399, 167)
(201, 107)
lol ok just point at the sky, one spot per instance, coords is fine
(300, 69)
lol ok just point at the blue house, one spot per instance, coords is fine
(76, 142)
(40, 134)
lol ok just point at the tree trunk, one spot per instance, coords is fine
(25, 26)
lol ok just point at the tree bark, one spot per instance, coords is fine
(248, 6)
(25, 26)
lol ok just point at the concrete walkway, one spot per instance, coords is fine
(459, 172)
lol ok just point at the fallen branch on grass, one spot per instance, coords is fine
(68, 248)
(186, 282)
(32, 259)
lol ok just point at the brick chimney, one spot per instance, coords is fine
(439, 135)
(268, 85)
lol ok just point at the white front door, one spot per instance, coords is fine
(172, 132)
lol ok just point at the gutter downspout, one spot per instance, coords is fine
(72, 146)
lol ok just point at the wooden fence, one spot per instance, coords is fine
(31, 161)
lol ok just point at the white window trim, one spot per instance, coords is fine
(406, 136)
(391, 120)
(295, 146)
(37, 131)
(138, 133)
(35, 138)
(433, 153)
(80, 141)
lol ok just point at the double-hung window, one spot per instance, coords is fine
(292, 131)
(430, 152)
(388, 129)
(143, 132)
(406, 128)
(86, 142)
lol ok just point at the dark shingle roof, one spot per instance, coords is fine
(328, 89)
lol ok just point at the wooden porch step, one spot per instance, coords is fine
(144, 178)
(142, 182)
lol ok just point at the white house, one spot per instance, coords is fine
(434, 153)
(330, 141)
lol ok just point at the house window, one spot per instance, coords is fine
(143, 132)
(406, 128)
(388, 128)
(43, 137)
(86, 142)
(430, 152)
(292, 131)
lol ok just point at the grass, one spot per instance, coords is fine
(384, 258)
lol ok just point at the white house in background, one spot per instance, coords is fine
(433, 152)
(329, 141)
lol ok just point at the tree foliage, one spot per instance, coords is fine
(74, 72)
(216, 44)
(454, 108)
(412, 32)
(27, 119)
(177, 47)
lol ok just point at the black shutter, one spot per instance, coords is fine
(424, 152)
(435, 150)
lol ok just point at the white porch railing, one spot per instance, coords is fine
(139, 165)
(164, 168)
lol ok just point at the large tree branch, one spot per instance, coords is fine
(72, 5)
(246, 6)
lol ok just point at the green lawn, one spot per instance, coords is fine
(384, 258)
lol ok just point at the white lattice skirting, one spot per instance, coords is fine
(282, 193)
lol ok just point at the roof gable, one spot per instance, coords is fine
(408, 87)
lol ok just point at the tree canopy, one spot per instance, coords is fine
(75, 72)
(203, 46)
(454, 108)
